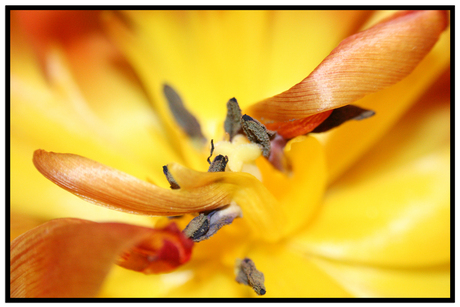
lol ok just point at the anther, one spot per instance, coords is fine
(169, 177)
(232, 123)
(206, 225)
(247, 274)
(197, 227)
(183, 117)
(257, 133)
(221, 217)
(341, 115)
(219, 164)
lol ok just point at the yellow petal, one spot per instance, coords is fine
(300, 192)
(424, 128)
(396, 218)
(289, 274)
(362, 64)
(381, 282)
(209, 280)
(140, 285)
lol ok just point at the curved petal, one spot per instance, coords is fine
(368, 281)
(362, 64)
(200, 191)
(71, 257)
(116, 190)
(260, 209)
(292, 35)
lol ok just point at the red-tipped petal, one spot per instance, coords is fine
(362, 64)
(116, 190)
(71, 257)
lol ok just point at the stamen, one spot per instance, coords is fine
(219, 164)
(170, 178)
(247, 274)
(206, 225)
(183, 117)
(257, 133)
(232, 123)
(341, 115)
(197, 227)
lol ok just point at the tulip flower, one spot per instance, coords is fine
(306, 153)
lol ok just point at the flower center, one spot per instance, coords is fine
(246, 140)
(241, 154)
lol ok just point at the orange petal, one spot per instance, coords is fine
(71, 257)
(164, 251)
(21, 223)
(362, 64)
(45, 27)
(103, 185)
(291, 129)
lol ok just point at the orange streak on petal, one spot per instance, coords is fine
(71, 257)
(291, 129)
(162, 252)
(108, 187)
(364, 63)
